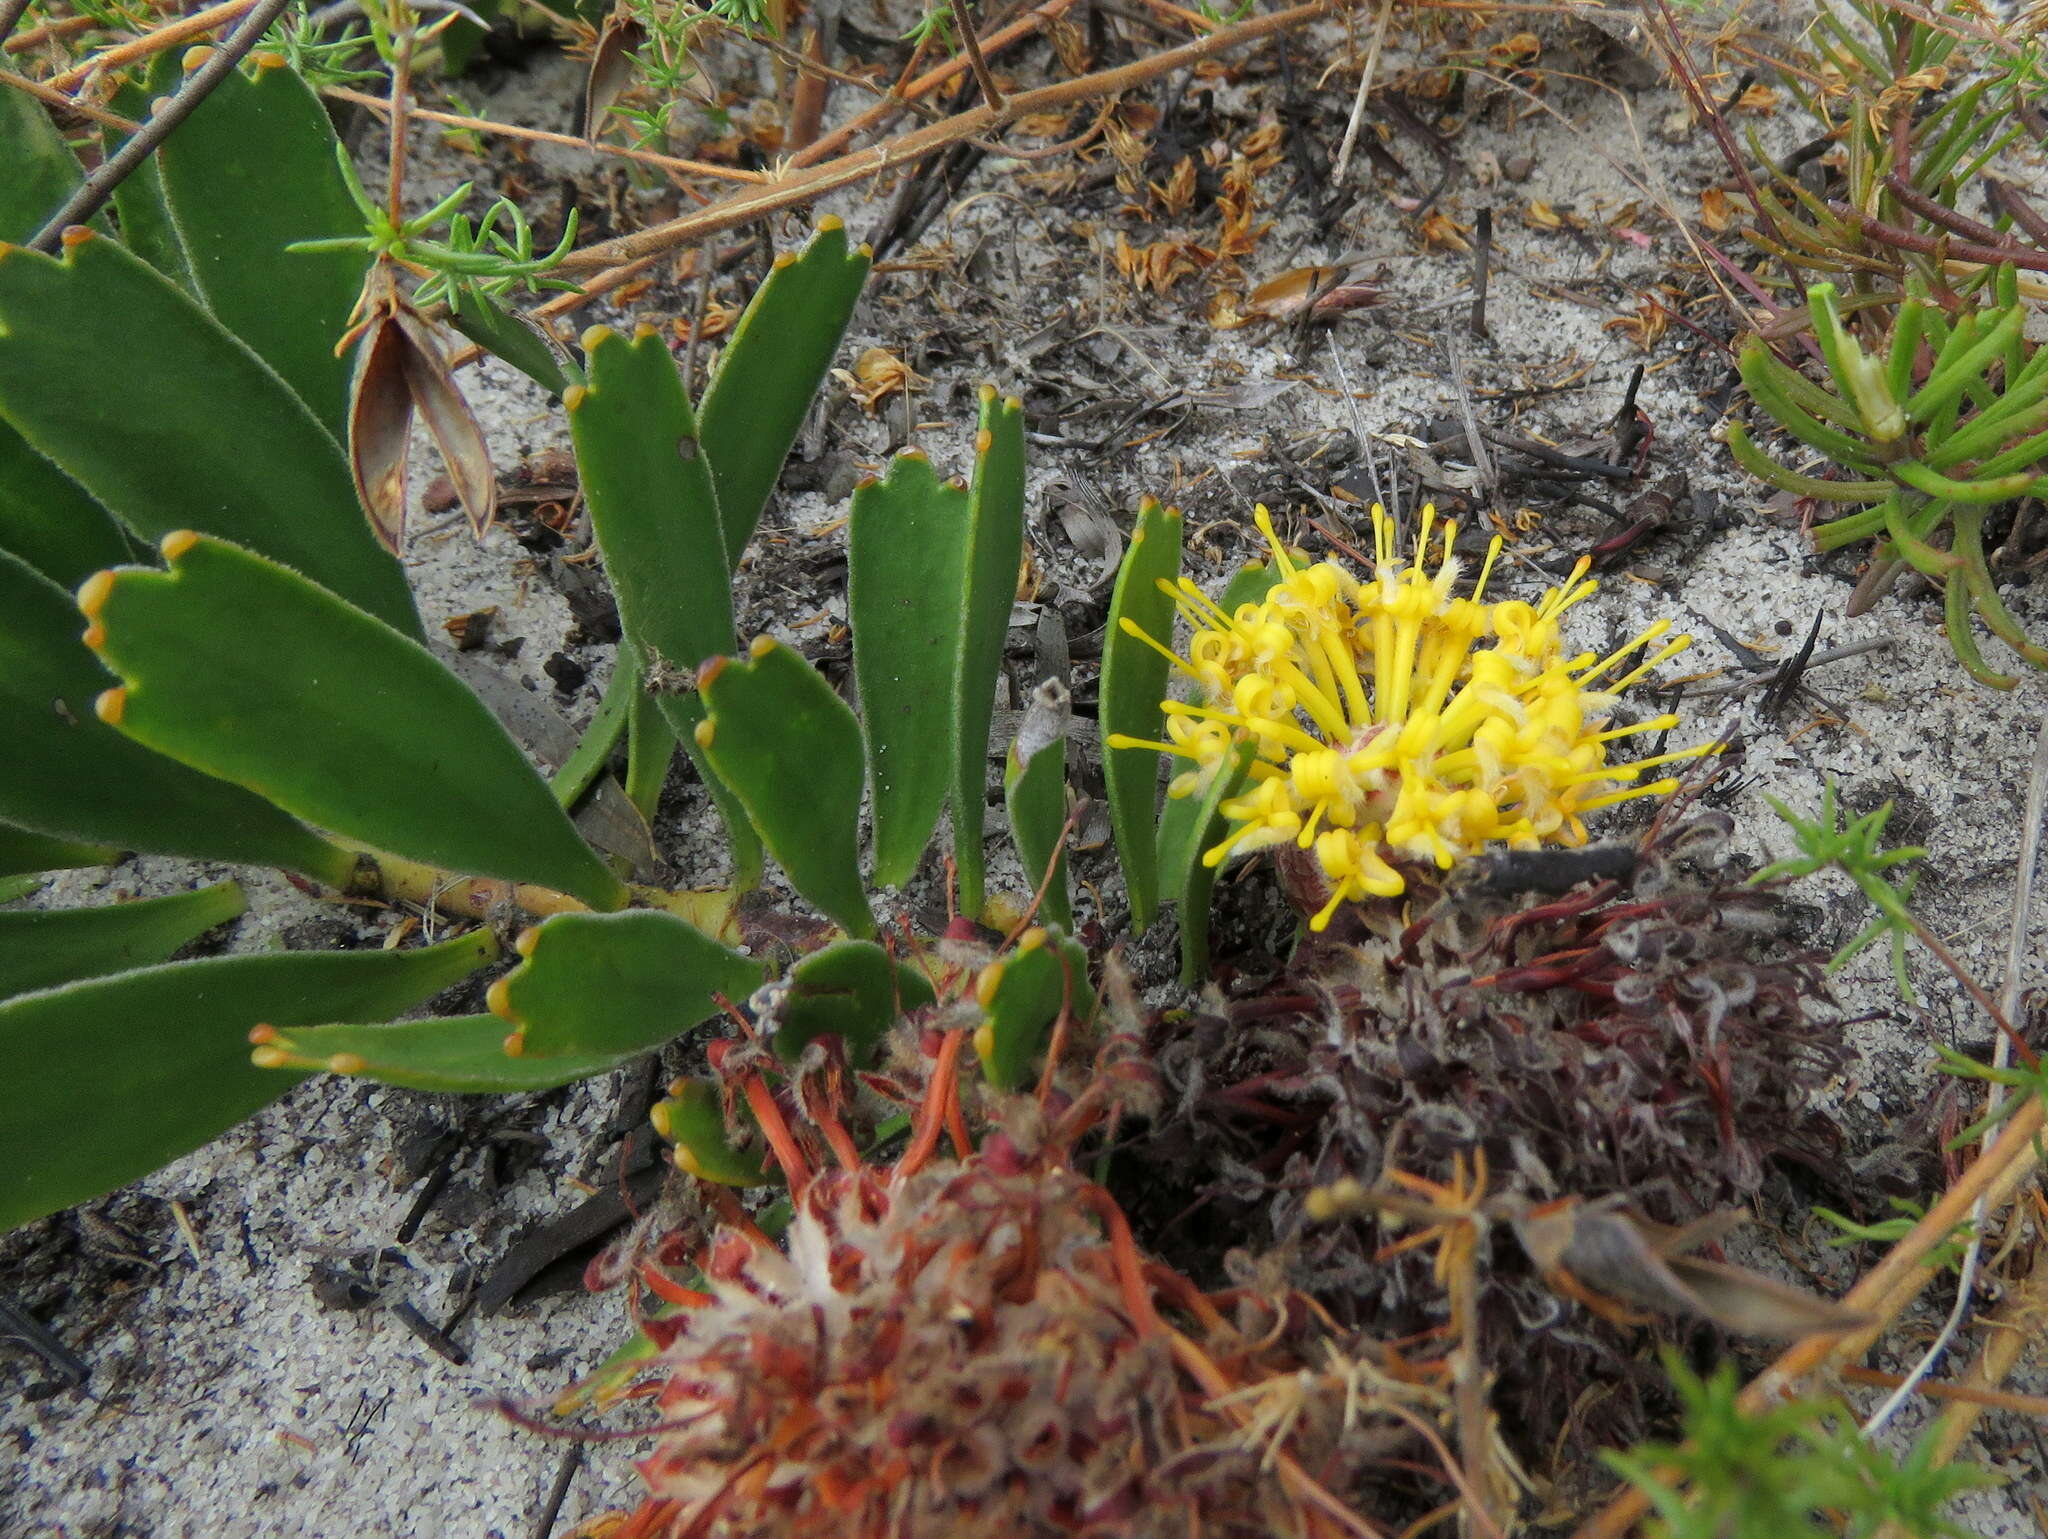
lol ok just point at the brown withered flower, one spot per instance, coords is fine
(1611, 1023)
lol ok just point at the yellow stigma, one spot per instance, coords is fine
(1390, 717)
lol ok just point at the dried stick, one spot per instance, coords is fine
(167, 36)
(52, 97)
(11, 12)
(990, 93)
(543, 136)
(837, 140)
(801, 186)
(35, 37)
(1365, 78)
(117, 168)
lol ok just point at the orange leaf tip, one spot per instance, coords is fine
(498, 1000)
(93, 594)
(984, 441)
(270, 1058)
(707, 675)
(515, 1045)
(110, 704)
(192, 58)
(176, 543)
(260, 1034)
(74, 235)
(528, 938)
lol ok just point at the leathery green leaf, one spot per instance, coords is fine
(1035, 791)
(41, 948)
(47, 519)
(509, 336)
(72, 777)
(852, 989)
(1250, 586)
(139, 395)
(463, 1054)
(649, 489)
(23, 851)
(684, 714)
(596, 984)
(1190, 826)
(693, 1119)
(649, 486)
(1021, 995)
(1134, 679)
(145, 218)
(242, 668)
(906, 552)
(772, 366)
(995, 549)
(790, 749)
(111, 1078)
(41, 170)
(235, 213)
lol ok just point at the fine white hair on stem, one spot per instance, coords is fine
(2008, 1003)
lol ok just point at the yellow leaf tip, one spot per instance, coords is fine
(706, 733)
(270, 1057)
(93, 594)
(175, 544)
(595, 335)
(347, 1063)
(527, 940)
(829, 222)
(986, 985)
(761, 646)
(574, 397)
(515, 1045)
(498, 1000)
(787, 259)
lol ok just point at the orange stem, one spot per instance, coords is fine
(931, 1116)
(781, 1141)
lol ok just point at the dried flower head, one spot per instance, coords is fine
(1382, 724)
(974, 1348)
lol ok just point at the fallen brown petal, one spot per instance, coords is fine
(611, 69)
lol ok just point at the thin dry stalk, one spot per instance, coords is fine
(542, 136)
(50, 96)
(154, 42)
(804, 185)
(1365, 79)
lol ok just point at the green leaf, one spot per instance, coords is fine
(41, 170)
(236, 211)
(1021, 995)
(905, 553)
(509, 336)
(649, 486)
(41, 948)
(141, 397)
(596, 984)
(1250, 586)
(461, 1054)
(1035, 792)
(594, 749)
(693, 1119)
(109, 1079)
(242, 668)
(684, 715)
(1134, 675)
(851, 989)
(790, 749)
(995, 549)
(70, 776)
(772, 366)
(649, 489)
(144, 216)
(21, 850)
(650, 750)
(1189, 826)
(47, 519)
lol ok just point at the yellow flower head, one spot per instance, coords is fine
(1388, 713)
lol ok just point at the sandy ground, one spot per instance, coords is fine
(226, 1400)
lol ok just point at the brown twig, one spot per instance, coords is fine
(542, 136)
(11, 12)
(990, 91)
(50, 96)
(35, 37)
(802, 186)
(97, 188)
(154, 42)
